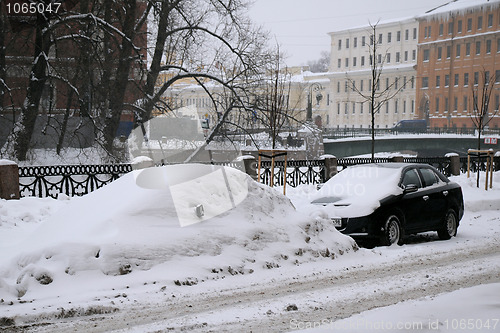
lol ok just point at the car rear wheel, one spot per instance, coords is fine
(450, 225)
(393, 232)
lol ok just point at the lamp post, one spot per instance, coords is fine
(316, 87)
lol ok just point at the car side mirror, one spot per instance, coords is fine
(410, 188)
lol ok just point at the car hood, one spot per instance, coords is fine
(358, 196)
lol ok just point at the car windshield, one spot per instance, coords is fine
(358, 181)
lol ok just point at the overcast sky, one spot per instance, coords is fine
(301, 26)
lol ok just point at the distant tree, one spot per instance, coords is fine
(320, 65)
(376, 96)
(480, 113)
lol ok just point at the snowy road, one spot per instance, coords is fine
(277, 305)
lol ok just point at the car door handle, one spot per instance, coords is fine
(425, 197)
(445, 193)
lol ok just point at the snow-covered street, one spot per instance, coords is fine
(118, 260)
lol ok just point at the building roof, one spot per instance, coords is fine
(457, 6)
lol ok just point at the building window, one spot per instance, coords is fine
(440, 53)
(388, 58)
(379, 58)
(438, 81)
(353, 107)
(458, 51)
(414, 55)
(425, 82)
(361, 107)
(346, 108)
(478, 47)
(466, 79)
(448, 52)
(346, 62)
(404, 106)
(369, 84)
(396, 81)
(455, 103)
(372, 40)
(395, 106)
(362, 60)
(398, 36)
(469, 24)
(456, 80)
(459, 26)
(497, 76)
(363, 41)
(426, 54)
(437, 104)
(340, 44)
(488, 46)
(361, 86)
(479, 23)
(338, 108)
(446, 104)
(414, 33)
(397, 57)
(339, 63)
(355, 42)
(346, 86)
(347, 43)
(407, 34)
(387, 107)
(406, 55)
(447, 80)
(412, 106)
(425, 32)
(380, 38)
(465, 103)
(412, 82)
(476, 78)
(467, 49)
(450, 28)
(389, 37)
(490, 20)
(387, 83)
(338, 86)
(441, 29)
(354, 62)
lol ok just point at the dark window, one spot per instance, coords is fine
(425, 82)
(438, 81)
(490, 20)
(479, 23)
(488, 46)
(398, 36)
(441, 29)
(469, 24)
(389, 37)
(429, 177)
(355, 42)
(426, 55)
(458, 51)
(411, 178)
(459, 26)
(440, 53)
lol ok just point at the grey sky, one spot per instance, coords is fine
(300, 26)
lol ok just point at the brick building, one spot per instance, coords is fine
(69, 70)
(458, 48)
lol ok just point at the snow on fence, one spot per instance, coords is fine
(77, 180)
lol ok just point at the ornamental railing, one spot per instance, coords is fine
(72, 180)
(77, 180)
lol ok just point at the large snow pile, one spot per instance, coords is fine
(126, 229)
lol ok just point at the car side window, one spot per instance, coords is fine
(429, 177)
(411, 177)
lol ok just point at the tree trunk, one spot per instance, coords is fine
(123, 71)
(24, 128)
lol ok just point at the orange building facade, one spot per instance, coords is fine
(458, 50)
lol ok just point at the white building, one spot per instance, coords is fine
(350, 65)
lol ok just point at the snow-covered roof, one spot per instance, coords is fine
(457, 6)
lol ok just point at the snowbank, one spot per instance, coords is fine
(124, 229)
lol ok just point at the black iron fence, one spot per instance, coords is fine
(77, 180)
(72, 180)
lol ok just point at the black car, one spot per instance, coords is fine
(387, 201)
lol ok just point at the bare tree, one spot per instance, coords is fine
(376, 96)
(320, 65)
(479, 113)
